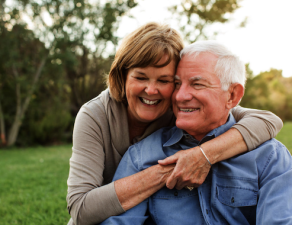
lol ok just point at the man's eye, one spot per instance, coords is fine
(198, 86)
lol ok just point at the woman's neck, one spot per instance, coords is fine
(136, 128)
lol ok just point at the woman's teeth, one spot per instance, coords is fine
(149, 102)
(188, 110)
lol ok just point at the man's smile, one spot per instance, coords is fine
(188, 109)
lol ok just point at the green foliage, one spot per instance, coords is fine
(47, 117)
(285, 135)
(269, 91)
(33, 185)
(196, 16)
(75, 40)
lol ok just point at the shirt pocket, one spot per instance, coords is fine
(236, 196)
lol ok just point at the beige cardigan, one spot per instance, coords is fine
(100, 139)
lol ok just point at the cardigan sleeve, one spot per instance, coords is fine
(256, 126)
(88, 202)
(128, 166)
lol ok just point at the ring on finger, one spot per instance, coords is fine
(190, 188)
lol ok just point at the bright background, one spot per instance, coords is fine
(265, 41)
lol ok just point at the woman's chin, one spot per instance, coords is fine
(149, 118)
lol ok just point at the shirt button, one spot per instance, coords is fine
(175, 193)
(232, 200)
(207, 211)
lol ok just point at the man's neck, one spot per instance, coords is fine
(201, 134)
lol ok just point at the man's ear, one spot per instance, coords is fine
(236, 92)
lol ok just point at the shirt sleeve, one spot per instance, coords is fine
(89, 202)
(129, 165)
(275, 192)
(256, 126)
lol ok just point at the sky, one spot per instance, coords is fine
(265, 42)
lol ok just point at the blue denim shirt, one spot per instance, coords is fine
(252, 188)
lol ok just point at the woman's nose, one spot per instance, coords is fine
(151, 89)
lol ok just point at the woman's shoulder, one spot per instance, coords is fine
(101, 104)
(101, 100)
(105, 111)
(94, 109)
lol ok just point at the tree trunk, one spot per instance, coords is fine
(21, 108)
(2, 127)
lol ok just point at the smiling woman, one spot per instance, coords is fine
(148, 92)
(137, 104)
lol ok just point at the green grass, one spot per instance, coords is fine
(33, 185)
(285, 135)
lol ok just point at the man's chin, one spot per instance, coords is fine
(184, 125)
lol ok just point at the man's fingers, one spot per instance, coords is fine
(169, 160)
(180, 186)
(171, 181)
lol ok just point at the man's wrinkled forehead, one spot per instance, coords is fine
(197, 66)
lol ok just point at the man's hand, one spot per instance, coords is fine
(191, 168)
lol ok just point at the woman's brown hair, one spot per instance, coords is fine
(143, 47)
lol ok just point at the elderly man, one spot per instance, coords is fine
(253, 188)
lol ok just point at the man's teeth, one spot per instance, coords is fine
(149, 102)
(188, 110)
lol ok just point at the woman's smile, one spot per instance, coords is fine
(148, 91)
(149, 102)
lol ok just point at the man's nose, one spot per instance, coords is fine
(151, 89)
(183, 94)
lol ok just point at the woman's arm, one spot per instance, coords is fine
(253, 128)
(86, 196)
(256, 126)
(134, 189)
(88, 201)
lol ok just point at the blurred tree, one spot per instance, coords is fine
(269, 91)
(75, 36)
(196, 16)
(22, 60)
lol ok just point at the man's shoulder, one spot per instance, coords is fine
(269, 159)
(271, 146)
(270, 152)
(275, 149)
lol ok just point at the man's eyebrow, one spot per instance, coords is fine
(197, 78)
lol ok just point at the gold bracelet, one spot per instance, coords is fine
(204, 154)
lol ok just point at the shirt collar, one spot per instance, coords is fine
(175, 137)
(179, 133)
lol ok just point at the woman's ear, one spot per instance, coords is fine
(236, 92)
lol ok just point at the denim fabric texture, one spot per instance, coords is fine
(252, 188)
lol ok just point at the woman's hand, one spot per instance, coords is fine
(191, 168)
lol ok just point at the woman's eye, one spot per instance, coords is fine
(141, 78)
(164, 81)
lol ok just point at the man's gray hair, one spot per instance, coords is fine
(229, 68)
